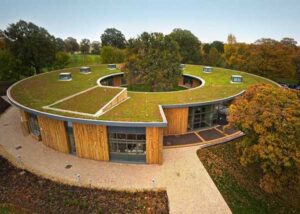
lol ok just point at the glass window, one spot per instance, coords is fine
(34, 125)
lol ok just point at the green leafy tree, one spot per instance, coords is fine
(189, 45)
(112, 55)
(95, 47)
(71, 45)
(154, 60)
(214, 57)
(60, 44)
(85, 46)
(113, 37)
(270, 118)
(61, 59)
(218, 45)
(32, 45)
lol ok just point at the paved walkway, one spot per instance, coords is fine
(189, 187)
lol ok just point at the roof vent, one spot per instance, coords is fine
(111, 66)
(236, 79)
(85, 70)
(65, 76)
(207, 69)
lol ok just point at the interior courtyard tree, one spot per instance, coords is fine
(153, 59)
(113, 37)
(270, 118)
(189, 45)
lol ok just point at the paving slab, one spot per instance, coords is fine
(189, 187)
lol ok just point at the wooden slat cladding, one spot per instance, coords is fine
(117, 81)
(91, 141)
(177, 120)
(54, 134)
(154, 145)
(24, 123)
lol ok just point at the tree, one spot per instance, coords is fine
(213, 57)
(154, 60)
(60, 44)
(289, 41)
(112, 55)
(113, 37)
(71, 45)
(189, 45)
(85, 46)
(33, 46)
(270, 118)
(218, 45)
(95, 47)
(61, 59)
(231, 39)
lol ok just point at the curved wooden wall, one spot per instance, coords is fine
(91, 141)
(54, 134)
(177, 120)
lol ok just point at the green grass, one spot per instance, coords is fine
(147, 88)
(240, 185)
(84, 103)
(46, 89)
(81, 59)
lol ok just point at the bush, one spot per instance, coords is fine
(112, 55)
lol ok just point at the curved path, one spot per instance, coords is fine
(189, 187)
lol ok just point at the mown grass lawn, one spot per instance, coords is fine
(82, 59)
(240, 186)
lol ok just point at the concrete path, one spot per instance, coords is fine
(189, 187)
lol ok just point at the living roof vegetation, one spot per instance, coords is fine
(44, 90)
(83, 102)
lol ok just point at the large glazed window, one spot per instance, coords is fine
(206, 116)
(127, 144)
(34, 127)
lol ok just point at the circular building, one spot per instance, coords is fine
(96, 117)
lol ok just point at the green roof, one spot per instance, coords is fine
(44, 90)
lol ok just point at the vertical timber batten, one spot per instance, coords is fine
(177, 120)
(24, 122)
(91, 141)
(154, 145)
(54, 134)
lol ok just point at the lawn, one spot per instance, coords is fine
(141, 107)
(77, 60)
(23, 192)
(240, 186)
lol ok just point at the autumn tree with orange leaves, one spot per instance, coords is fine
(270, 118)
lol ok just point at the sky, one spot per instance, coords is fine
(209, 20)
